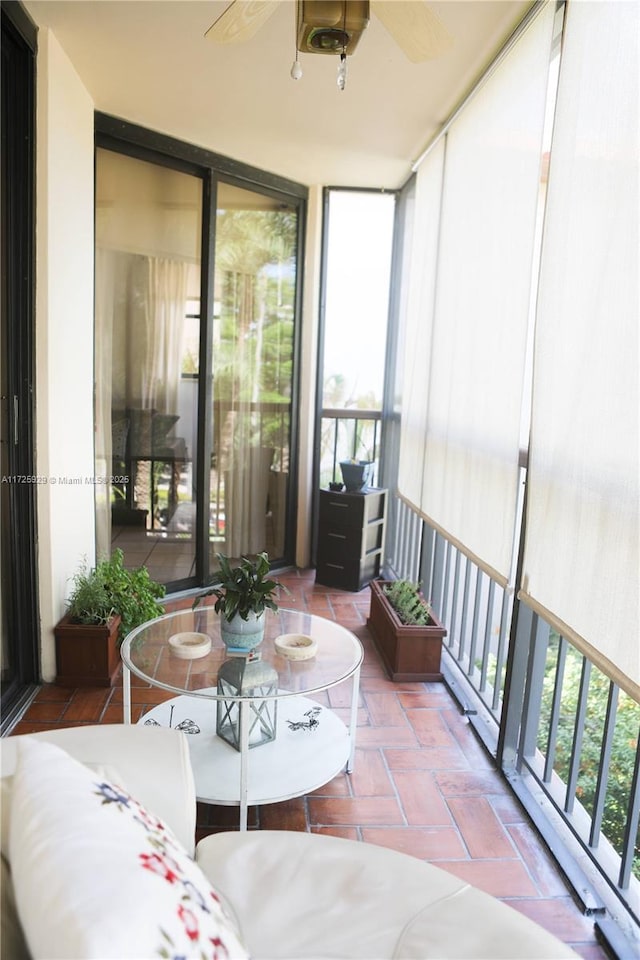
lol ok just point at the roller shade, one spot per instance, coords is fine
(471, 317)
(581, 560)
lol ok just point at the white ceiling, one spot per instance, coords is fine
(148, 62)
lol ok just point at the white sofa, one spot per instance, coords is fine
(292, 895)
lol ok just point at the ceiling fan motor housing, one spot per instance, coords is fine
(331, 26)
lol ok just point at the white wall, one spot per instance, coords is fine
(64, 332)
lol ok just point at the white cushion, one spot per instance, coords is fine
(96, 875)
(329, 897)
(153, 763)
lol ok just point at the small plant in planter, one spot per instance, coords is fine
(243, 593)
(134, 594)
(90, 601)
(406, 599)
(105, 604)
(405, 630)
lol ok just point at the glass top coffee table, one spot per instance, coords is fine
(312, 744)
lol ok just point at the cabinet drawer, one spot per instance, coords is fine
(348, 574)
(348, 543)
(346, 540)
(341, 509)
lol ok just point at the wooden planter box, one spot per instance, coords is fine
(408, 653)
(87, 656)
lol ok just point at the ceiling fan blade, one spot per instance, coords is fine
(415, 27)
(241, 20)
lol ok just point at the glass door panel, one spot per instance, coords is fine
(252, 366)
(148, 236)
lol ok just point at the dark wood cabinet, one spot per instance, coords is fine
(351, 529)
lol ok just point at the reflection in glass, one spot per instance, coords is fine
(148, 229)
(252, 372)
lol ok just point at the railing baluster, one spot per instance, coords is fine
(427, 560)
(465, 610)
(578, 733)
(437, 579)
(475, 620)
(539, 641)
(605, 761)
(454, 605)
(556, 702)
(444, 612)
(631, 828)
(488, 624)
(505, 617)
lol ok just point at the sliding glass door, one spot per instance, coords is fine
(188, 469)
(148, 235)
(252, 365)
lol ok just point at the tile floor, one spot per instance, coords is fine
(422, 783)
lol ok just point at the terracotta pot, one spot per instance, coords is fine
(408, 653)
(87, 656)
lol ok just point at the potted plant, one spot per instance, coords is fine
(105, 604)
(356, 474)
(405, 630)
(242, 593)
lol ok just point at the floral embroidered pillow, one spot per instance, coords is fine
(97, 876)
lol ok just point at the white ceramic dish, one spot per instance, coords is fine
(190, 646)
(296, 646)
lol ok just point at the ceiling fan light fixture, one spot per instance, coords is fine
(331, 26)
(327, 40)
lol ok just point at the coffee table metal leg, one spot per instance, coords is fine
(244, 760)
(126, 694)
(353, 721)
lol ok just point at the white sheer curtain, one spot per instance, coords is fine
(470, 365)
(140, 304)
(582, 563)
(154, 332)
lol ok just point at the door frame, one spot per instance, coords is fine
(19, 522)
(129, 139)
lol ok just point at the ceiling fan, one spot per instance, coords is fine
(336, 26)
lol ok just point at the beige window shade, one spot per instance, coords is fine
(472, 366)
(418, 320)
(581, 563)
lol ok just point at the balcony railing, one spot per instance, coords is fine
(564, 734)
(347, 434)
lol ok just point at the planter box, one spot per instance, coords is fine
(87, 656)
(408, 653)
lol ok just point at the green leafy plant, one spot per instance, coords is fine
(243, 589)
(90, 601)
(407, 601)
(109, 589)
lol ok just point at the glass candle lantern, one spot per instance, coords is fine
(247, 677)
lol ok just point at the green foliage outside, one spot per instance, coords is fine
(625, 742)
(253, 351)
